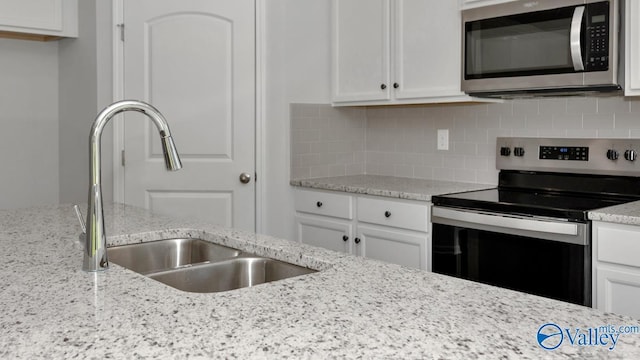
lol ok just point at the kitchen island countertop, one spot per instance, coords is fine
(352, 308)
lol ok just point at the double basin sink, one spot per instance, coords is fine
(195, 265)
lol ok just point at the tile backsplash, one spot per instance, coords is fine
(401, 140)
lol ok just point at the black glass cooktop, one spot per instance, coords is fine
(529, 202)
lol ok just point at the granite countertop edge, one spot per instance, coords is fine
(388, 186)
(627, 214)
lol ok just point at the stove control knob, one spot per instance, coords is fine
(612, 154)
(518, 151)
(631, 155)
(505, 151)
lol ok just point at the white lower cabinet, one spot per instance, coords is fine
(327, 233)
(618, 290)
(389, 230)
(393, 245)
(616, 268)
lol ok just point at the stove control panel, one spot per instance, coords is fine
(567, 155)
(579, 153)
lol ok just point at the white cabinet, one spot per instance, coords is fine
(39, 19)
(325, 219)
(469, 4)
(396, 52)
(361, 50)
(616, 268)
(395, 231)
(632, 48)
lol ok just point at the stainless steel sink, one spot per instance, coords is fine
(145, 258)
(229, 274)
(196, 265)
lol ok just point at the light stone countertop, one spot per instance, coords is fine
(352, 308)
(389, 186)
(628, 214)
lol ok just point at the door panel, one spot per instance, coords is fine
(194, 61)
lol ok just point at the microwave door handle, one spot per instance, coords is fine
(575, 40)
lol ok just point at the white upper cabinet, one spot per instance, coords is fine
(361, 53)
(469, 4)
(396, 52)
(632, 48)
(39, 19)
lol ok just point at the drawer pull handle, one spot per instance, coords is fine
(387, 214)
(319, 204)
(357, 240)
(345, 238)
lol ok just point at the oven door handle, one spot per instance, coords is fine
(575, 40)
(508, 222)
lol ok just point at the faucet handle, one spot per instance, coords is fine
(80, 218)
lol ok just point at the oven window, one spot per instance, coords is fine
(547, 268)
(535, 43)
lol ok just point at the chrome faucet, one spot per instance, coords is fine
(95, 250)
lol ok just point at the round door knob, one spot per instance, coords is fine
(383, 86)
(631, 155)
(245, 178)
(357, 240)
(396, 85)
(345, 238)
(319, 204)
(612, 154)
(387, 213)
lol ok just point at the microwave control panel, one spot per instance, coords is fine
(597, 37)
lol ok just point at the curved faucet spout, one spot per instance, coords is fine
(95, 254)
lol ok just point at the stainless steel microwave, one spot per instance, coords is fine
(541, 47)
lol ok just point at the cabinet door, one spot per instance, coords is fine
(329, 234)
(618, 290)
(361, 50)
(468, 4)
(427, 49)
(395, 246)
(632, 43)
(47, 17)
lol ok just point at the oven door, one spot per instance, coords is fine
(540, 256)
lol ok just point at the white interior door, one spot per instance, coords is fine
(194, 61)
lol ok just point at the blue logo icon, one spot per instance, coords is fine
(550, 336)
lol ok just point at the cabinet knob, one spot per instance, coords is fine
(383, 86)
(396, 85)
(345, 238)
(387, 213)
(357, 240)
(319, 204)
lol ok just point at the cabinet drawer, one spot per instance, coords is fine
(619, 244)
(324, 203)
(394, 213)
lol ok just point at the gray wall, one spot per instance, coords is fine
(85, 87)
(29, 123)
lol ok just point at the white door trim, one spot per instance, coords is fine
(118, 91)
(260, 91)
